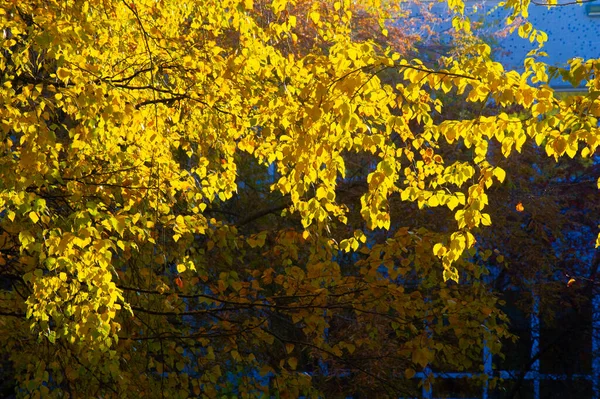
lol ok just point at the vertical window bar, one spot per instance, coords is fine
(487, 368)
(427, 387)
(596, 345)
(535, 344)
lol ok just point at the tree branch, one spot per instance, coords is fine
(264, 212)
(12, 314)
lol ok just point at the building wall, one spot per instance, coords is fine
(571, 31)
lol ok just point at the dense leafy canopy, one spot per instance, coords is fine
(197, 196)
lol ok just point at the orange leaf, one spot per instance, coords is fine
(520, 207)
(179, 282)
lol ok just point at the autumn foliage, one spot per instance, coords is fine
(197, 197)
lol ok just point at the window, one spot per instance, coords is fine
(556, 372)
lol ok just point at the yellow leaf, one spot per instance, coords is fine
(315, 17)
(450, 274)
(321, 193)
(34, 217)
(433, 201)
(62, 73)
(278, 5)
(180, 268)
(439, 249)
(560, 145)
(585, 152)
(452, 203)
(345, 245)
(486, 220)
(293, 362)
(289, 348)
(500, 174)
(351, 348)
(360, 236)
(420, 356)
